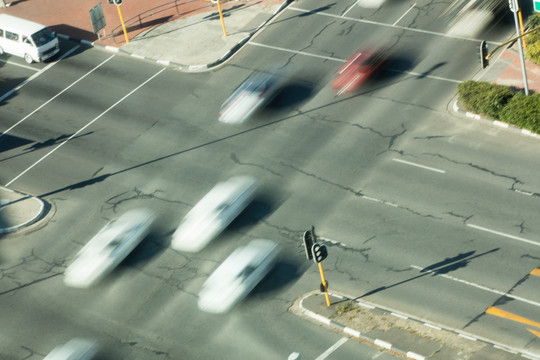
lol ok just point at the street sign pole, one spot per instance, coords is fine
(123, 25)
(514, 8)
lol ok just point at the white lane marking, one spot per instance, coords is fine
(406, 12)
(85, 126)
(342, 61)
(20, 65)
(8, 94)
(387, 25)
(54, 97)
(503, 234)
(296, 52)
(332, 348)
(350, 8)
(523, 192)
(420, 166)
(478, 286)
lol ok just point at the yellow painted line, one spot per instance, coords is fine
(535, 272)
(537, 333)
(508, 315)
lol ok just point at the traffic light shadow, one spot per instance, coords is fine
(439, 268)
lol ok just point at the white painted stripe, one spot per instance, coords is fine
(414, 356)
(426, 76)
(8, 94)
(85, 126)
(399, 315)
(432, 326)
(332, 348)
(406, 12)
(296, 52)
(500, 124)
(164, 62)
(351, 332)
(478, 286)
(386, 25)
(383, 344)
(420, 166)
(137, 56)
(504, 234)
(523, 192)
(467, 337)
(20, 65)
(51, 99)
(350, 8)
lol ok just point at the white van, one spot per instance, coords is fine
(27, 39)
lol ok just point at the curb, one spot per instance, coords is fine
(388, 346)
(457, 109)
(187, 68)
(40, 214)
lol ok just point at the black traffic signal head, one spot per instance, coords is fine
(319, 252)
(483, 54)
(307, 238)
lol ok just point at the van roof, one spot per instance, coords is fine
(25, 27)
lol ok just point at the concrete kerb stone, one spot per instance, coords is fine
(15, 199)
(388, 346)
(458, 110)
(182, 67)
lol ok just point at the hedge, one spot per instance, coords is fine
(533, 40)
(501, 103)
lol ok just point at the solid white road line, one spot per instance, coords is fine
(37, 74)
(478, 286)
(296, 52)
(419, 165)
(55, 96)
(503, 234)
(333, 348)
(20, 65)
(85, 126)
(406, 12)
(292, 8)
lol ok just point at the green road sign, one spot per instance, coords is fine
(536, 5)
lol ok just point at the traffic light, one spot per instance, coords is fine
(319, 252)
(483, 53)
(308, 243)
(116, 2)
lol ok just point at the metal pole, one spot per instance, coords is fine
(324, 285)
(520, 45)
(221, 17)
(122, 21)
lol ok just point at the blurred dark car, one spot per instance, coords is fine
(357, 70)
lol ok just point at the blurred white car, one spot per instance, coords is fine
(213, 213)
(74, 349)
(256, 91)
(108, 248)
(238, 275)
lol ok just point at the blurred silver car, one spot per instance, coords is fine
(238, 275)
(213, 213)
(258, 90)
(108, 248)
(74, 349)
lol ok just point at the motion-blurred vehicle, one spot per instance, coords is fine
(357, 70)
(258, 90)
(238, 275)
(468, 18)
(213, 213)
(108, 248)
(74, 349)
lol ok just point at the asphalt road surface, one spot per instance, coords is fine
(423, 212)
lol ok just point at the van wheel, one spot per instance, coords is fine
(28, 58)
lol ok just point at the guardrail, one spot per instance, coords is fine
(136, 22)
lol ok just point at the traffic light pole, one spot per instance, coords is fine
(123, 25)
(324, 285)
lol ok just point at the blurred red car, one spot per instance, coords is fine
(357, 70)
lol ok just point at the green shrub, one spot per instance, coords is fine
(533, 40)
(484, 97)
(523, 111)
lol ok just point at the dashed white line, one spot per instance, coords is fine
(419, 165)
(332, 348)
(504, 234)
(85, 126)
(406, 12)
(478, 286)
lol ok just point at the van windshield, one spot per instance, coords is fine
(42, 37)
